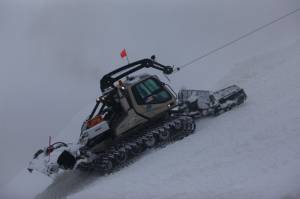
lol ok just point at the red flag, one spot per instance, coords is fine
(123, 53)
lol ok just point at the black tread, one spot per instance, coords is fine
(134, 145)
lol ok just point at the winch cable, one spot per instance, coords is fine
(235, 40)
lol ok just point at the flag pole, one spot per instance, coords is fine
(127, 59)
(49, 147)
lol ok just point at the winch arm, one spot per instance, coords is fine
(108, 80)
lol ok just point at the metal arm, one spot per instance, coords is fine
(108, 79)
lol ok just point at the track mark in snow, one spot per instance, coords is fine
(67, 184)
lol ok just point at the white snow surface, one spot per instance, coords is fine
(252, 151)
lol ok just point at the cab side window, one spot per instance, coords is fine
(150, 91)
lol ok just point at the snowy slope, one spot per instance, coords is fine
(53, 53)
(251, 152)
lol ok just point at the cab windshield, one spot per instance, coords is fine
(150, 91)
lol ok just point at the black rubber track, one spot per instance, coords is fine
(130, 148)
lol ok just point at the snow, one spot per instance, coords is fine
(250, 152)
(53, 54)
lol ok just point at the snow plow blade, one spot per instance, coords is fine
(50, 160)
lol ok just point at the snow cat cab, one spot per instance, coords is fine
(125, 106)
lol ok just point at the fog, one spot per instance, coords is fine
(53, 54)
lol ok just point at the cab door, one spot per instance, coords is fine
(150, 97)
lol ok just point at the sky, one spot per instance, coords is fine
(53, 54)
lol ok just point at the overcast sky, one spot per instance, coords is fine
(53, 54)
